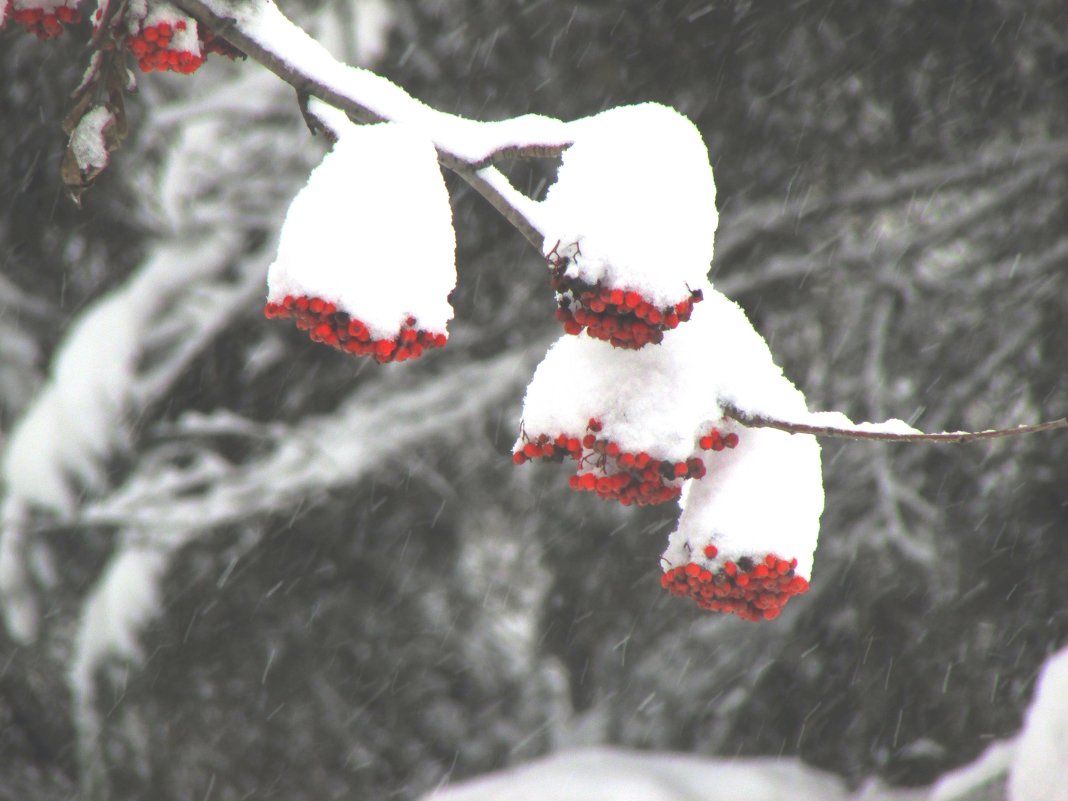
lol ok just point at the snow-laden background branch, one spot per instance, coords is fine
(233, 562)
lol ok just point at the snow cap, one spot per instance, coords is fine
(372, 233)
(763, 497)
(661, 398)
(634, 203)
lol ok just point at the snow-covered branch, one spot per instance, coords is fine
(320, 454)
(836, 424)
(467, 147)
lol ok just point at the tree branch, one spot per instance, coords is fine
(867, 431)
(466, 147)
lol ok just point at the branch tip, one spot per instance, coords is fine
(793, 427)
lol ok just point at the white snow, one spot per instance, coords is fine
(634, 203)
(648, 400)
(469, 140)
(1040, 770)
(19, 602)
(326, 452)
(373, 21)
(763, 497)
(76, 415)
(124, 598)
(616, 774)
(372, 232)
(839, 421)
(87, 139)
(661, 398)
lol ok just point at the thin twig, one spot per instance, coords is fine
(762, 421)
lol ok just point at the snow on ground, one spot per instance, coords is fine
(615, 774)
(1040, 770)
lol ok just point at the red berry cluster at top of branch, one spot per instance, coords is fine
(163, 40)
(620, 317)
(168, 40)
(326, 324)
(152, 49)
(751, 588)
(42, 22)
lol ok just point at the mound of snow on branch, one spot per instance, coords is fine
(634, 204)
(765, 497)
(372, 233)
(660, 399)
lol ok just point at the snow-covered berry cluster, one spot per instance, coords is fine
(162, 47)
(644, 422)
(326, 324)
(624, 318)
(604, 467)
(752, 588)
(746, 537)
(388, 299)
(43, 18)
(162, 38)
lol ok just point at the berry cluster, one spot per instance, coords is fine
(46, 24)
(622, 318)
(324, 323)
(152, 49)
(751, 589)
(714, 441)
(616, 474)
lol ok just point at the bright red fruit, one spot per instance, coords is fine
(325, 324)
(751, 589)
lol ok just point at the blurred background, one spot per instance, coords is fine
(235, 564)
